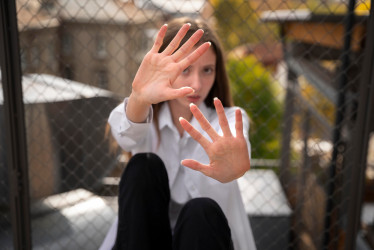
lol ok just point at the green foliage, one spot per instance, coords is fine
(238, 23)
(327, 8)
(254, 91)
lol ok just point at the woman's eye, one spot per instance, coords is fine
(185, 71)
(208, 70)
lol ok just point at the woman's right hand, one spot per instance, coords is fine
(153, 83)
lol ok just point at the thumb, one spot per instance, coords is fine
(195, 165)
(177, 93)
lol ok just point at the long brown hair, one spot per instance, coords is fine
(220, 88)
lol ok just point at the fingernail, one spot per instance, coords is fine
(210, 44)
(188, 88)
(189, 24)
(215, 98)
(166, 24)
(192, 104)
(180, 118)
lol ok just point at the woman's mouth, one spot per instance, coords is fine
(193, 98)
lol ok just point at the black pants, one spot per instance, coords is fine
(143, 216)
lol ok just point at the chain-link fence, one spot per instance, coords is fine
(301, 69)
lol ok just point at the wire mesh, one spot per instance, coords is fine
(286, 66)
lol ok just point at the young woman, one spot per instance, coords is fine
(189, 146)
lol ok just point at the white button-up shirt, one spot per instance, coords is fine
(184, 182)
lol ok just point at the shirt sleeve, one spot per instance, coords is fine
(127, 133)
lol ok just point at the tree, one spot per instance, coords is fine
(235, 21)
(254, 90)
(238, 23)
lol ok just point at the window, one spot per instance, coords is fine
(67, 44)
(148, 38)
(102, 79)
(145, 43)
(23, 59)
(101, 47)
(51, 56)
(47, 4)
(35, 57)
(68, 72)
(51, 53)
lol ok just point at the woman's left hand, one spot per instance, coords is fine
(228, 154)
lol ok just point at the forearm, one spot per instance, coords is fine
(136, 110)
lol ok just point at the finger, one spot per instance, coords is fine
(196, 135)
(178, 93)
(191, 58)
(239, 123)
(222, 117)
(195, 165)
(204, 124)
(188, 45)
(159, 39)
(173, 45)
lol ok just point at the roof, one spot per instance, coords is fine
(42, 88)
(88, 11)
(305, 15)
(174, 6)
(285, 15)
(31, 15)
(267, 53)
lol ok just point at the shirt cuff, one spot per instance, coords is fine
(147, 120)
(120, 123)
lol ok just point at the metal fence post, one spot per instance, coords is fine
(287, 121)
(15, 126)
(364, 125)
(339, 119)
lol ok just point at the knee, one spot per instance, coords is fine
(202, 219)
(141, 163)
(142, 167)
(144, 159)
(202, 207)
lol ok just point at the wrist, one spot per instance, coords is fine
(140, 102)
(137, 110)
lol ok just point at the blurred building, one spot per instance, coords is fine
(99, 43)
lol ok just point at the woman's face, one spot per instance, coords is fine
(200, 76)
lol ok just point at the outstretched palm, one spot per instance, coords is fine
(157, 72)
(228, 154)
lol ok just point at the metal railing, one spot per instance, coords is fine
(301, 69)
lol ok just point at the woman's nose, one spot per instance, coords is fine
(195, 81)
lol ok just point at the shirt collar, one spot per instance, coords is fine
(164, 117)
